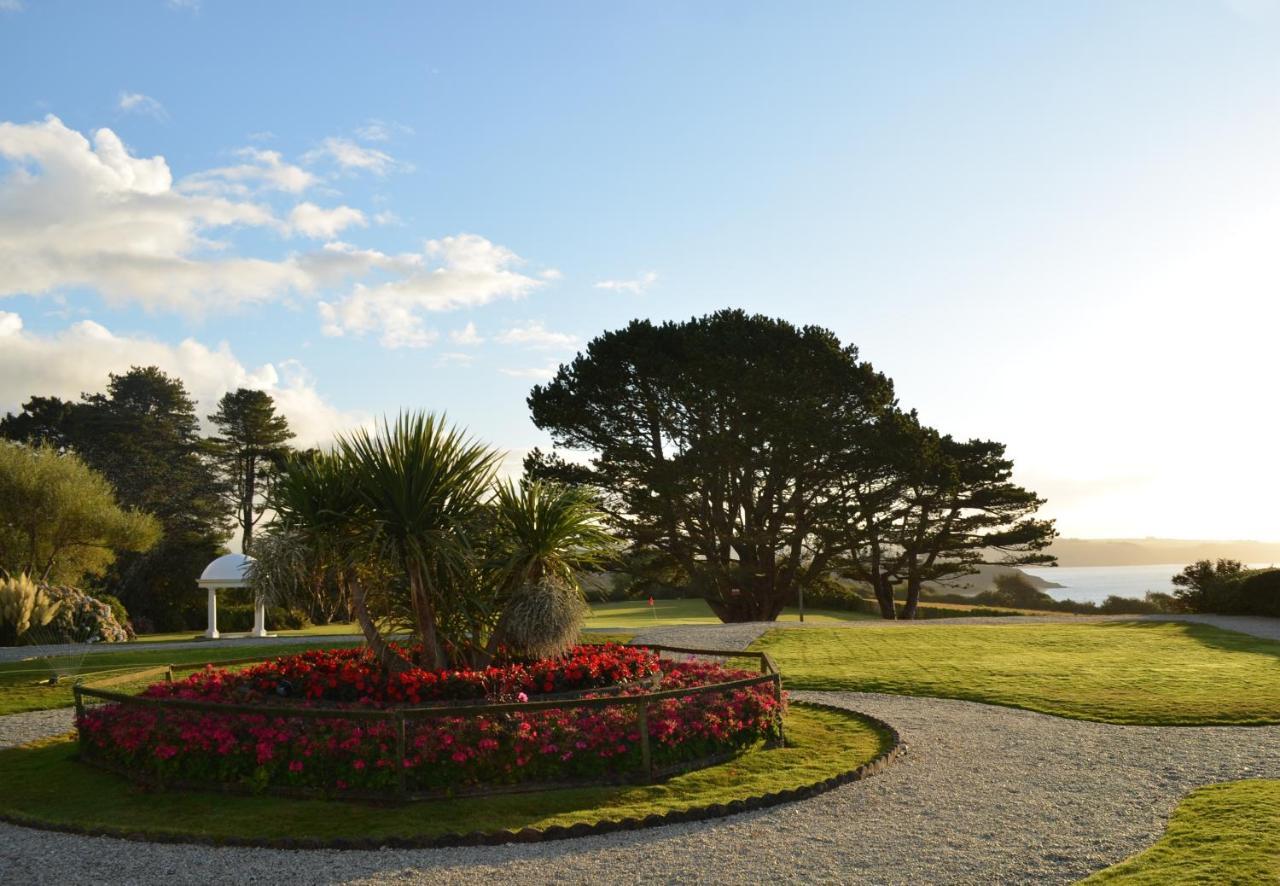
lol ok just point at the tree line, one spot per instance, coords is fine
(142, 499)
(750, 459)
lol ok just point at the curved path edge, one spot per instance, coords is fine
(705, 812)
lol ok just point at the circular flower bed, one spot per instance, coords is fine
(359, 750)
(353, 676)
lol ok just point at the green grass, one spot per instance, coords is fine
(637, 614)
(330, 630)
(43, 782)
(24, 686)
(1224, 833)
(1127, 672)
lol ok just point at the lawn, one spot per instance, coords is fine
(1223, 833)
(637, 614)
(1126, 672)
(44, 783)
(24, 686)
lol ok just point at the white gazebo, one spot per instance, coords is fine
(230, 571)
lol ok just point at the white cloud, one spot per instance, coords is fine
(467, 335)
(541, 373)
(551, 274)
(324, 224)
(535, 335)
(79, 358)
(386, 217)
(351, 156)
(455, 358)
(457, 272)
(81, 213)
(265, 170)
(75, 213)
(634, 287)
(137, 103)
(11, 6)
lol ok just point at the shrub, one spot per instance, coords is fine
(238, 618)
(1258, 593)
(117, 609)
(1205, 586)
(24, 605)
(829, 593)
(84, 619)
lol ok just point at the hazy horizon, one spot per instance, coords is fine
(1053, 226)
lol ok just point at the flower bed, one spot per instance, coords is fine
(444, 750)
(353, 676)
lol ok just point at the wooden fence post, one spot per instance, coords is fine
(402, 755)
(75, 692)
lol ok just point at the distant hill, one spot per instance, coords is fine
(1158, 551)
(985, 580)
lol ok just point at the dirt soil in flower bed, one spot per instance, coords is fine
(444, 753)
(47, 787)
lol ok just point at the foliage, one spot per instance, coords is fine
(234, 617)
(1205, 586)
(732, 479)
(24, 605)
(543, 617)
(252, 441)
(83, 619)
(1151, 673)
(1221, 833)
(443, 753)
(292, 572)
(142, 434)
(921, 506)
(59, 519)
(711, 455)
(46, 784)
(118, 610)
(408, 521)
(1259, 593)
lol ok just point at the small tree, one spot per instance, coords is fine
(1206, 586)
(60, 522)
(252, 440)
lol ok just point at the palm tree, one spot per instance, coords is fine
(420, 489)
(318, 511)
(544, 534)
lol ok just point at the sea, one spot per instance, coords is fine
(1096, 583)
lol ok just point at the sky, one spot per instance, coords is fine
(1053, 225)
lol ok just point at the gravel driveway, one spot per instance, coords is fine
(986, 795)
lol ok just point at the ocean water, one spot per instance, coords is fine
(1096, 583)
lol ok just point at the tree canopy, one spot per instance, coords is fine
(749, 457)
(247, 451)
(59, 519)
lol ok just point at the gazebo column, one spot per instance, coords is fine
(259, 618)
(212, 632)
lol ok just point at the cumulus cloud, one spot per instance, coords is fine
(324, 224)
(380, 130)
(11, 6)
(76, 213)
(81, 213)
(351, 156)
(456, 272)
(467, 335)
(634, 287)
(535, 335)
(79, 358)
(137, 103)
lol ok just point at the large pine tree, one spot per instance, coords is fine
(252, 441)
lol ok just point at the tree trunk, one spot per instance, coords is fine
(433, 657)
(884, 596)
(913, 600)
(390, 660)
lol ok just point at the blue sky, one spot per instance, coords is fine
(1051, 224)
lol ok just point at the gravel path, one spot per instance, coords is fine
(986, 794)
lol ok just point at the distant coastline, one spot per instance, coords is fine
(1158, 551)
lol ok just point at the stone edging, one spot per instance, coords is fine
(526, 835)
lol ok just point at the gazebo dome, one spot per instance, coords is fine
(228, 571)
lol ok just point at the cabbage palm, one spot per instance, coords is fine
(419, 489)
(544, 534)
